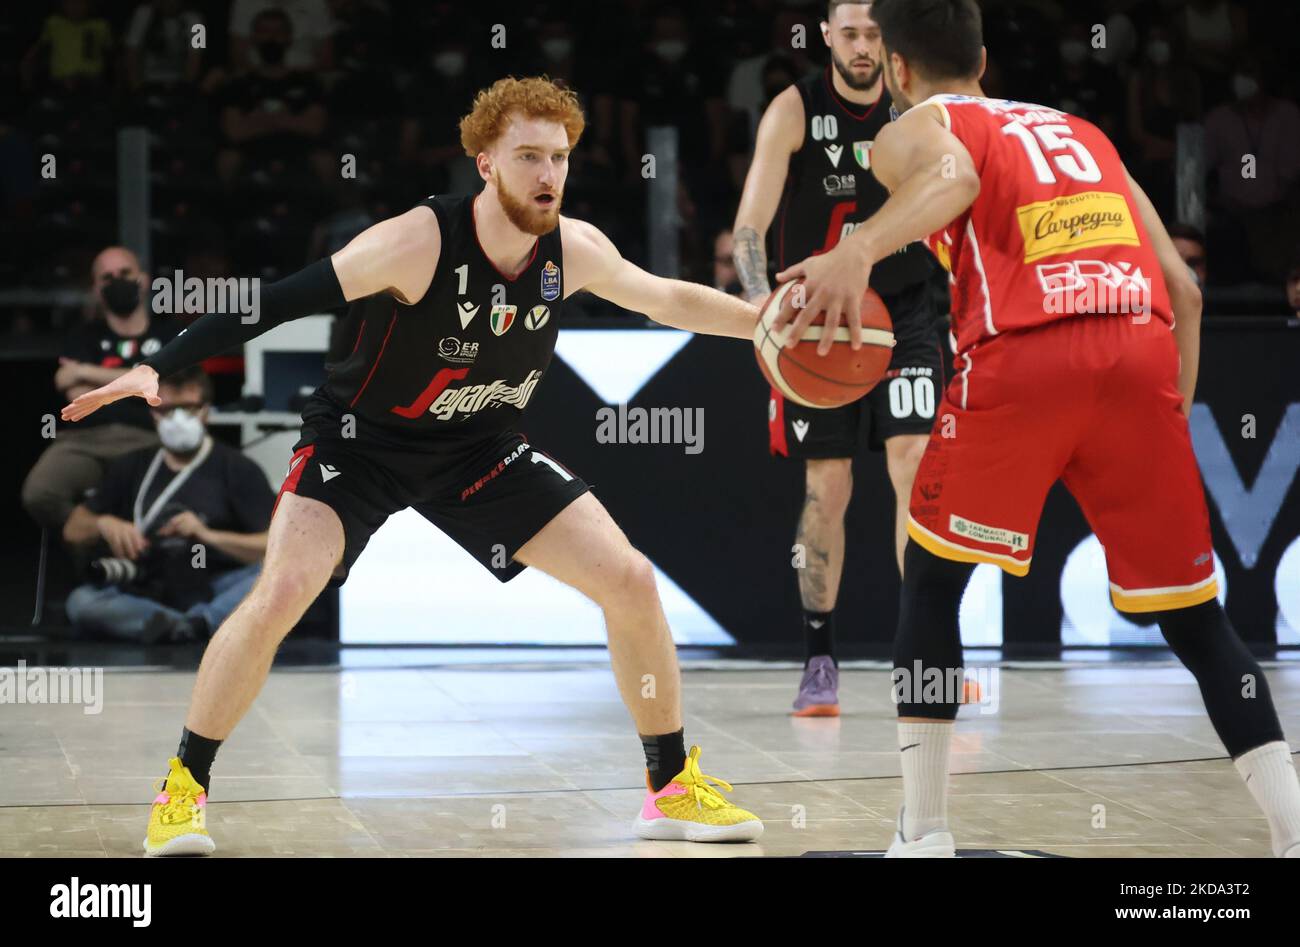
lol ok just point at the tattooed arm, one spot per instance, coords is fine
(780, 134)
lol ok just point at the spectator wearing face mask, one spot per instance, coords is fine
(430, 145)
(311, 25)
(274, 117)
(93, 355)
(1080, 85)
(1252, 154)
(183, 528)
(1162, 93)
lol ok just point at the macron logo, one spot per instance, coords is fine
(800, 429)
(833, 152)
(328, 473)
(467, 312)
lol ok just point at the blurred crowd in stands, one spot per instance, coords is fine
(251, 128)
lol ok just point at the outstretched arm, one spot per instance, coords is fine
(398, 255)
(593, 263)
(932, 179)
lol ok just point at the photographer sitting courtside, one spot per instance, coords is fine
(182, 528)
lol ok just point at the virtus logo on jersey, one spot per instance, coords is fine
(537, 317)
(1076, 222)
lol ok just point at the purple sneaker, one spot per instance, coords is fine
(819, 689)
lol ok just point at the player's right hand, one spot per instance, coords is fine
(139, 382)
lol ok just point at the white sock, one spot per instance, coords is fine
(924, 752)
(1271, 778)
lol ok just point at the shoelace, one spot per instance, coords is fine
(179, 806)
(703, 788)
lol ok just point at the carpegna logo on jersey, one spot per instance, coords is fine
(1076, 222)
(502, 318)
(454, 350)
(537, 317)
(550, 281)
(1094, 286)
(838, 185)
(474, 398)
(492, 474)
(862, 153)
(833, 152)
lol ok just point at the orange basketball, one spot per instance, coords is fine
(841, 375)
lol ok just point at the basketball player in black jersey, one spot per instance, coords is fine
(811, 173)
(462, 301)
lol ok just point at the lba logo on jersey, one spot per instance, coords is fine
(550, 282)
(537, 317)
(502, 318)
(862, 153)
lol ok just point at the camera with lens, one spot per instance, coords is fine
(161, 571)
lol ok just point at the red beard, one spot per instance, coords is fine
(525, 214)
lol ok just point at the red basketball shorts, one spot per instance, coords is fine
(1092, 401)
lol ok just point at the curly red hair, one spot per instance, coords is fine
(535, 97)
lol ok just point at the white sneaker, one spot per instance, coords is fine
(937, 843)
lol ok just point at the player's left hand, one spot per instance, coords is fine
(834, 283)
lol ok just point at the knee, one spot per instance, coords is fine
(286, 591)
(829, 487)
(81, 603)
(632, 585)
(904, 461)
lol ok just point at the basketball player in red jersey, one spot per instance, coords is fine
(811, 175)
(1076, 326)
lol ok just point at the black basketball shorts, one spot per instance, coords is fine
(490, 497)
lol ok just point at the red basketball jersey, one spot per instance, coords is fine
(1055, 230)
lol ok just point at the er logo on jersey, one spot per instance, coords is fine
(502, 318)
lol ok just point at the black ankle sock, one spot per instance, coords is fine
(197, 754)
(818, 635)
(665, 757)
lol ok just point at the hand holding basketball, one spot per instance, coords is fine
(805, 376)
(834, 283)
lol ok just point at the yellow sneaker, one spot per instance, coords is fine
(691, 809)
(177, 823)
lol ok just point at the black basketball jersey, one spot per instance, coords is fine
(463, 362)
(830, 189)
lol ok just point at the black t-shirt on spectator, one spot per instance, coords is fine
(228, 492)
(97, 344)
(294, 92)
